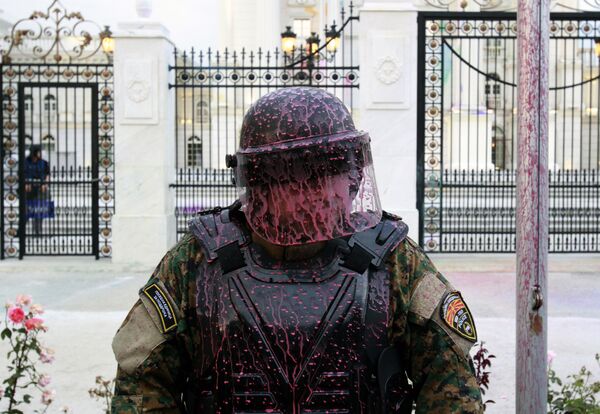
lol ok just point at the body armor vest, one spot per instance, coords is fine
(290, 340)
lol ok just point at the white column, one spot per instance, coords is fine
(388, 101)
(144, 223)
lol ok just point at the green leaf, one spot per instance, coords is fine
(6, 333)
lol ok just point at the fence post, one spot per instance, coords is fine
(144, 222)
(388, 101)
(533, 38)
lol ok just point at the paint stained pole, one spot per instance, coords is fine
(533, 21)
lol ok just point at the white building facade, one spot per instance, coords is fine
(178, 115)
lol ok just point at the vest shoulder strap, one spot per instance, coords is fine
(220, 237)
(373, 246)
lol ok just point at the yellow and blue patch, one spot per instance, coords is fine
(455, 313)
(164, 308)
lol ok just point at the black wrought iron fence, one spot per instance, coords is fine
(479, 210)
(215, 88)
(65, 114)
(467, 151)
(197, 189)
(59, 214)
(57, 121)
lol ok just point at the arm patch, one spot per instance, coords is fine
(161, 306)
(442, 304)
(460, 342)
(427, 297)
(136, 339)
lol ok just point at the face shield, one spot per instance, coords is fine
(309, 190)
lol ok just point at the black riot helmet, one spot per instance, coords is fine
(303, 171)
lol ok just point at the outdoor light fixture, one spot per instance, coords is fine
(312, 43)
(311, 50)
(108, 42)
(332, 38)
(304, 58)
(288, 40)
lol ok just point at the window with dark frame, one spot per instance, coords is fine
(28, 103)
(50, 103)
(202, 112)
(492, 91)
(194, 151)
(498, 148)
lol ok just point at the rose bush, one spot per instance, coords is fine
(21, 329)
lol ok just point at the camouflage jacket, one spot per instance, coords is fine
(153, 367)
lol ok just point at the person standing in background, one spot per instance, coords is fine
(37, 175)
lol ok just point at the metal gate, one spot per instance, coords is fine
(57, 153)
(467, 124)
(213, 91)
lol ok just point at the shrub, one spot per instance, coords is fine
(22, 325)
(576, 395)
(481, 361)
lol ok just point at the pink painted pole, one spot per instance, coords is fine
(532, 206)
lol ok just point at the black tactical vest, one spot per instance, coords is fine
(290, 340)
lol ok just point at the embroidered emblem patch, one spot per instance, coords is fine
(456, 315)
(165, 311)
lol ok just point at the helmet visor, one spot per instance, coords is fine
(309, 190)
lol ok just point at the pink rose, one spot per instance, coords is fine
(551, 356)
(47, 355)
(16, 314)
(48, 397)
(44, 380)
(36, 309)
(1, 392)
(23, 300)
(34, 324)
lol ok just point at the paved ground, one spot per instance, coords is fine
(87, 300)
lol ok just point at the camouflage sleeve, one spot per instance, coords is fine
(435, 352)
(153, 344)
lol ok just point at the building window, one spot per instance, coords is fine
(194, 151)
(302, 28)
(50, 104)
(493, 97)
(498, 148)
(202, 114)
(493, 48)
(28, 103)
(5, 102)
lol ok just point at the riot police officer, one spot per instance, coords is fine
(303, 296)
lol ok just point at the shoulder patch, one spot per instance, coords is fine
(457, 316)
(427, 296)
(160, 306)
(136, 339)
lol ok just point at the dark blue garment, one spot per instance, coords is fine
(37, 170)
(35, 174)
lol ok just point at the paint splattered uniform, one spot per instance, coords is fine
(221, 327)
(155, 379)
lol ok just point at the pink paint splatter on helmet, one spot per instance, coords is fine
(304, 173)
